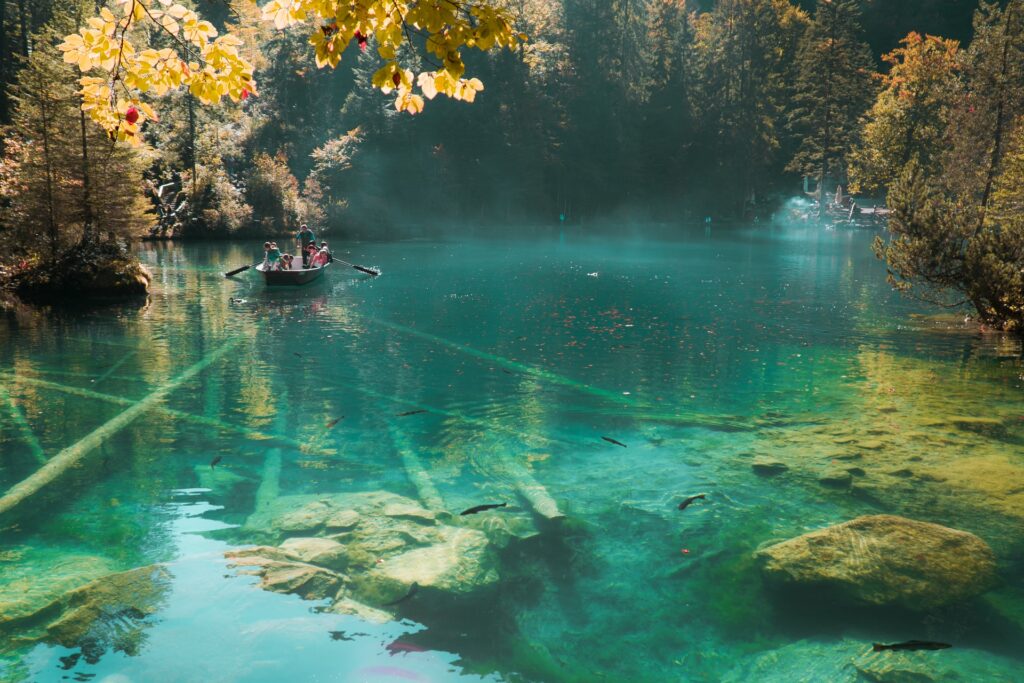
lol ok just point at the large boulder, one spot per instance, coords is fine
(885, 560)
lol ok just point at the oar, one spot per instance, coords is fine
(368, 271)
(236, 271)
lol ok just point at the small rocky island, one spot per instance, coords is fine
(102, 271)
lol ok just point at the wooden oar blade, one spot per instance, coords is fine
(236, 271)
(368, 271)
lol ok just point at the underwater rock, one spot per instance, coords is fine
(32, 581)
(885, 560)
(383, 542)
(280, 574)
(321, 551)
(983, 425)
(414, 512)
(461, 561)
(767, 467)
(852, 661)
(837, 479)
(358, 609)
(948, 666)
(106, 612)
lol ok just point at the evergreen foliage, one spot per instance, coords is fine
(834, 88)
(957, 232)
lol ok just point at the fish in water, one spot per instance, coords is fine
(686, 503)
(413, 589)
(411, 412)
(480, 508)
(213, 463)
(296, 353)
(335, 421)
(912, 645)
(611, 440)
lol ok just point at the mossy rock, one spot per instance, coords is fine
(885, 560)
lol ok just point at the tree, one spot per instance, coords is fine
(957, 231)
(741, 58)
(70, 185)
(833, 90)
(910, 118)
(212, 67)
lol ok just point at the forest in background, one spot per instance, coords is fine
(637, 109)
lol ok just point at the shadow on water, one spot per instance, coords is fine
(817, 614)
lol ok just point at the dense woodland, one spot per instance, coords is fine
(666, 110)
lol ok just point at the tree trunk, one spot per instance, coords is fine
(87, 215)
(48, 162)
(828, 117)
(997, 142)
(23, 20)
(5, 61)
(192, 145)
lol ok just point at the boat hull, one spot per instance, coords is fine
(291, 278)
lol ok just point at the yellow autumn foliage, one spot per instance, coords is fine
(116, 72)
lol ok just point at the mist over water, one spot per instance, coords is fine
(701, 348)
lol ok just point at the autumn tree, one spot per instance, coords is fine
(957, 236)
(834, 88)
(910, 119)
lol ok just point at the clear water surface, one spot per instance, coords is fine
(701, 353)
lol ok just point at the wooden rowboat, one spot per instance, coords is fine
(285, 278)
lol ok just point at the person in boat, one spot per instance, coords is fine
(266, 254)
(273, 257)
(308, 254)
(286, 261)
(330, 256)
(320, 259)
(305, 236)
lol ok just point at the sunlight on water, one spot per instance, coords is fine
(223, 415)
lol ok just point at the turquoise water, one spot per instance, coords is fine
(700, 354)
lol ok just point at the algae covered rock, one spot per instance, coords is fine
(384, 543)
(282, 572)
(885, 560)
(767, 467)
(108, 609)
(32, 581)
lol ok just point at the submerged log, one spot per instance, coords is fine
(74, 454)
(417, 473)
(23, 426)
(253, 434)
(269, 489)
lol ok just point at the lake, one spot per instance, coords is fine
(588, 383)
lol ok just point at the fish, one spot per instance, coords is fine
(413, 589)
(911, 645)
(411, 412)
(480, 508)
(213, 463)
(611, 440)
(335, 421)
(296, 353)
(686, 503)
(397, 646)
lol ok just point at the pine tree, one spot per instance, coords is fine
(73, 184)
(833, 90)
